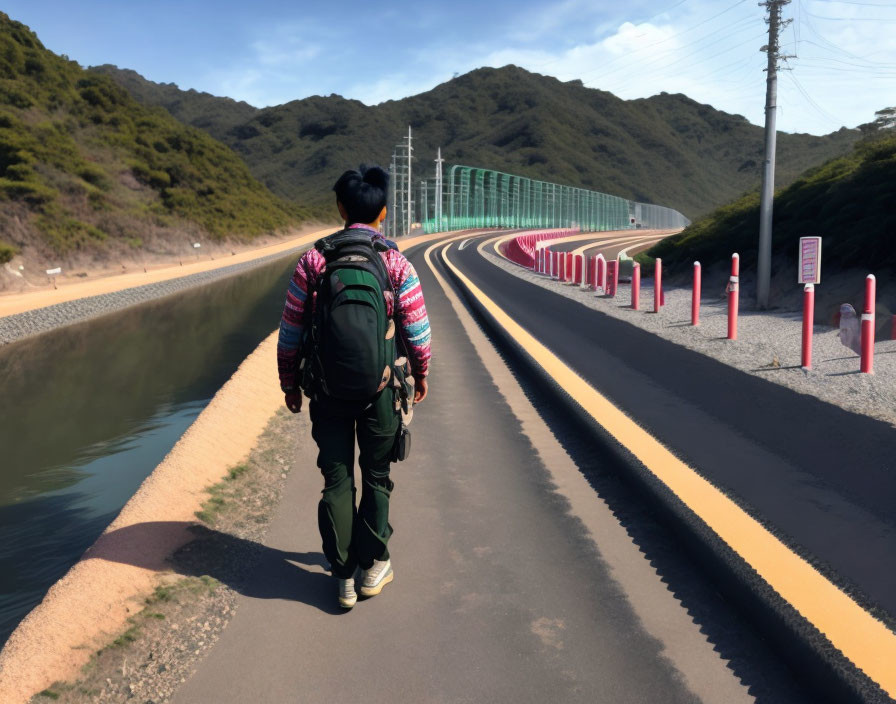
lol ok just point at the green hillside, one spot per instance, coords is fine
(848, 201)
(85, 168)
(667, 149)
(207, 112)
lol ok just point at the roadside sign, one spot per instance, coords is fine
(196, 245)
(52, 272)
(810, 260)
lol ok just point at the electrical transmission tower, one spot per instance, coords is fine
(767, 194)
(401, 203)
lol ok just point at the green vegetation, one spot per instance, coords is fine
(848, 201)
(219, 494)
(7, 252)
(91, 164)
(667, 149)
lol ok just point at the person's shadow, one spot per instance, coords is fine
(249, 568)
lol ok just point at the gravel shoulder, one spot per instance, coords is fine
(768, 344)
(193, 602)
(33, 313)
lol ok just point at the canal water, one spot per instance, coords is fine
(89, 410)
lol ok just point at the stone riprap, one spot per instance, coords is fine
(41, 320)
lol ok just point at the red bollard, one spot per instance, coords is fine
(555, 265)
(636, 286)
(602, 273)
(561, 274)
(695, 295)
(615, 276)
(868, 325)
(733, 296)
(580, 265)
(658, 286)
(569, 267)
(808, 323)
(610, 277)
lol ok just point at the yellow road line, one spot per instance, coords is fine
(595, 239)
(635, 242)
(864, 640)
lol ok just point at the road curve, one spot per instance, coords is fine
(788, 460)
(523, 572)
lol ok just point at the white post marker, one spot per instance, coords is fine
(810, 261)
(53, 273)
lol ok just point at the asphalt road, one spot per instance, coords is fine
(517, 579)
(632, 244)
(822, 478)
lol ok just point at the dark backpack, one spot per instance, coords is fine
(350, 349)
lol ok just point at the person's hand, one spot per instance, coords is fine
(421, 388)
(294, 401)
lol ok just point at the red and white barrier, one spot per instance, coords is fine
(808, 324)
(600, 266)
(657, 285)
(733, 296)
(695, 295)
(580, 269)
(867, 364)
(636, 286)
(521, 249)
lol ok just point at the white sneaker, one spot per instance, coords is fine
(377, 577)
(347, 595)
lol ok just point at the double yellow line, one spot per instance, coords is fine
(863, 639)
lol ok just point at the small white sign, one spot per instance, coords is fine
(810, 260)
(53, 272)
(196, 245)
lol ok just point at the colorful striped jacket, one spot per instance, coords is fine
(410, 318)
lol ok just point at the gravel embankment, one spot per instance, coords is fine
(182, 620)
(768, 344)
(34, 322)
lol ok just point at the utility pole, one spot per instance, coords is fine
(439, 161)
(767, 194)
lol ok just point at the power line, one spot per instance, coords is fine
(821, 111)
(852, 19)
(854, 2)
(734, 29)
(666, 11)
(663, 41)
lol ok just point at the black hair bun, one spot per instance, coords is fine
(375, 176)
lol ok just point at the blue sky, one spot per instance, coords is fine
(271, 51)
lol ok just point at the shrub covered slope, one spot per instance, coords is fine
(667, 149)
(84, 166)
(848, 201)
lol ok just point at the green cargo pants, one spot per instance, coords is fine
(351, 536)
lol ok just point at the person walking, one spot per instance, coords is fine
(355, 339)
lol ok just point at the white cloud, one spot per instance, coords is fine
(289, 54)
(710, 51)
